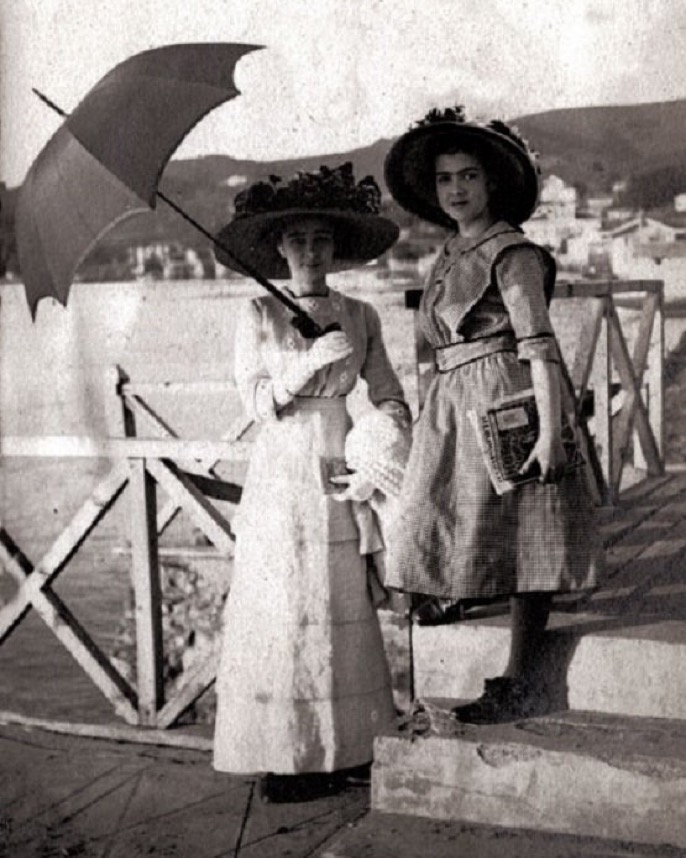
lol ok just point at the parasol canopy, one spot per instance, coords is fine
(105, 161)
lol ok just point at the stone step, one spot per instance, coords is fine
(390, 835)
(607, 664)
(582, 774)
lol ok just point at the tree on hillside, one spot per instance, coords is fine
(655, 188)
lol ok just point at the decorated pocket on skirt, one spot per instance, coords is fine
(333, 467)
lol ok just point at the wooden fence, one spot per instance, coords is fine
(627, 399)
(139, 465)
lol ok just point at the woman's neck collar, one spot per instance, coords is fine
(308, 290)
(496, 226)
(476, 229)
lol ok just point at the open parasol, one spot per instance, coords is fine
(105, 161)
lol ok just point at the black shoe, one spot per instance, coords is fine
(431, 611)
(504, 699)
(281, 789)
(358, 775)
(277, 788)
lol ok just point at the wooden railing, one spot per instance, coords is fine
(627, 384)
(619, 391)
(137, 412)
(139, 466)
(627, 401)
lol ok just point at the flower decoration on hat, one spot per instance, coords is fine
(326, 189)
(512, 132)
(448, 114)
(361, 232)
(457, 114)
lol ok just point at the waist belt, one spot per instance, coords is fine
(457, 354)
(314, 404)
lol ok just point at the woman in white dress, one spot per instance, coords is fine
(303, 685)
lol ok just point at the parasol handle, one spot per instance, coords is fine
(302, 322)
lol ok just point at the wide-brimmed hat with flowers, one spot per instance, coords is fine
(262, 209)
(410, 168)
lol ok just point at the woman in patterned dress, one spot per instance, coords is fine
(303, 685)
(484, 311)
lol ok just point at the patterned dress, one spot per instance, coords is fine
(303, 683)
(484, 311)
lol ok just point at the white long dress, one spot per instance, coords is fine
(303, 683)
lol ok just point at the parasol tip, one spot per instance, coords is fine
(46, 100)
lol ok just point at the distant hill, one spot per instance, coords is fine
(590, 147)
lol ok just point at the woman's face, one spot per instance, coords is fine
(307, 245)
(463, 190)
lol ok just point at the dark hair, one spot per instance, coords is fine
(496, 168)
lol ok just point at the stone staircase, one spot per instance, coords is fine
(607, 764)
(609, 761)
(607, 664)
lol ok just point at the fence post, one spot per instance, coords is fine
(653, 386)
(145, 573)
(601, 381)
(128, 418)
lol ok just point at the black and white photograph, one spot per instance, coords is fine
(342, 464)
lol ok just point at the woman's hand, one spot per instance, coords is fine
(302, 366)
(549, 454)
(356, 487)
(548, 451)
(328, 349)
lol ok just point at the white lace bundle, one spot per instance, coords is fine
(377, 447)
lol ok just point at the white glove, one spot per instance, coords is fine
(357, 487)
(326, 350)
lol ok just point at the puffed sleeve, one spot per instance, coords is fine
(382, 382)
(521, 274)
(252, 379)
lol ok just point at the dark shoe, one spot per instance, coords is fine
(277, 788)
(358, 775)
(504, 699)
(432, 611)
(280, 789)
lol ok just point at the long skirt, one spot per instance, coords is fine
(303, 683)
(453, 536)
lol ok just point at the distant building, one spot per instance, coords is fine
(558, 200)
(651, 247)
(598, 205)
(558, 225)
(235, 181)
(584, 244)
(553, 222)
(619, 188)
(167, 261)
(618, 214)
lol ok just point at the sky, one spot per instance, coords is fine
(338, 74)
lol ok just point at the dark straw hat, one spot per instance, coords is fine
(262, 210)
(410, 167)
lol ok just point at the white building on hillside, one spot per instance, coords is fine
(652, 247)
(645, 236)
(554, 221)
